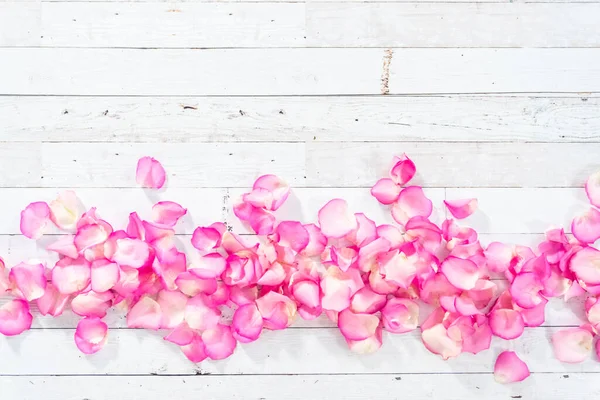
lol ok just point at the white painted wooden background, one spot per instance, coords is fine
(493, 99)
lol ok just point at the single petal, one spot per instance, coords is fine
(242, 296)
(365, 233)
(133, 253)
(357, 326)
(397, 268)
(219, 342)
(386, 191)
(65, 211)
(135, 227)
(367, 301)
(412, 202)
(338, 287)
(403, 170)
(437, 341)
(592, 189)
(92, 304)
(210, 266)
(368, 345)
(292, 234)
(278, 311)
(507, 324)
(509, 368)
(71, 275)
(525, 290)
(463, 274)
(276, 188)
(34, 220)
(172, 305)
(586, 265)
(206, 238)
(65, 246)
(498, 256)
(307, 293)
(91, 235)
(167, 212)
(400, 315)
(247, 323)
(52, 302)
(200, 314)
(191, 285)
(150, 173)
(335, 219)
(572, 345)
(15, 317)
(145, 314)
(316, 241)
(392, 234)
(586, 227)
(182, 335)
(461, 208)
(104, 275)
(437, 287)
(169, 268)
(195, 351)
(30, 279)
(91, 335)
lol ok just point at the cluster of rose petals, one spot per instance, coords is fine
(366, 278)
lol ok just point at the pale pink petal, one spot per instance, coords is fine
(461, 208)
(307, 294)
(403, 170)
(129, 281)
(167, 213)
(92, 304)
(219, 342)
(357, 326)
(479, 338)
(368, 345)
(507, 324)
(71, 276)
(195, 350)
(182, 335)
(509, 368)
(278, 311)
(133, 253)
(368, 254)
(146, 313)
(397, 268)
(34, 220)
(243, 296)
(366, 231)
(400, 315)
(412, 202)
(273, 276)
(436, 287)
(367, 301)
(65, 211)
(91, 335)
(172, 305)
(437, 341)
(292, 234)
(261, 221)
(463, 274)
(91, 235)
(15, 317)
(499, 256)
(30, 279)
(572, 345)
(338, 287)
(5, 283)
(221, 295)
(206, 238)
(534, 316)
(335, 219)
(247, 323)
(276, 188)
(191, 285)
(316, 241)
(386, 191)
(392, 234)
(586, 265)
(525, 290)
(210, 266)
(170, 268)
(592, 188)
(52, 302)
(586, 227)
(200, 314)
(150, 173)
(343, 257)
(104, 275)
(425, 232)
(64, 246)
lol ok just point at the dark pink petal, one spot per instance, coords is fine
(278, 311)
(195, 350)
(276, 190)
(206, 238)
(30, 279)
(412, 202)
(586, 265)
(71, 276)
(316, 241)
(15, 317)
(386, 191)
(592, 188)
(167, 213)
(34, 220)
(65, 211)
(273, 276)
(463, 274)
(586, 227)
(200, 314)
(436, 287)
(172, 305)
(219, 342)
(247, 323)
(509, 368)
(240, 271)
(135, 227)
(52, 302)
(243, 296)
(403, 170)
(357, 326)
(461, 208)
(507, 324)
(261, 221)
(145, 314)
(336, 220)
(92, 304)
(169, 268)
(400, 315)
(307, 294)
(525, 290)
(150, 173)
(572, 345)
(104, 275)
(292, 234)
(534, 316)
(479, 338)
(91, 335)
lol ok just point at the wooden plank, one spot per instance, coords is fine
(74, 71)
(292, 119)
(20, 24)
(293, 351)
(572, 386)
(173, 24)
(452, 25)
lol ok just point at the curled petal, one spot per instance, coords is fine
(167, 213)
(412, 202)
(278, 311)
(65, 211)
(525, 290)
(386, 191)
(150, 173)
(219, 342)
(145, 314)
(268, 192)
(91, 335)
(572, 345)
(509, 368)
(586, 227)
(403, 170)
(34, 220)
(292, 234)
(71, 276)
(15, 317)
(336, 220)
(592, 189)
(30, 279)
(400, 315)
(463, 274)
(91, 235)
(247, 323)
(206, 238)
(461, 208)
(437, 341)
(507, 324)
(316, 241)
(357, 326)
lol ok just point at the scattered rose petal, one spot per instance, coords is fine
(572, 345)
(336, 220)
(586, 227)
(167, 213)
(592, 189)
(509, 368)
(462, 208)
(15, 317)
(150, 173)
(91, 335)
(34, 220)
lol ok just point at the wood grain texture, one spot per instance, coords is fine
(74, 71)
(297, 119)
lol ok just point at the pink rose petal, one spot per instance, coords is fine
(15, 317)
(463, 274)
(336, 220)
(146, 313)
(195, 350)
(268, 192)
(412, 202)
(592, 189)
(507, 324)
(386, 191)
(71, 276)
(200, 314)
(65, 211)
(206, 238)
(509, 368)
(65, 246)
(400, 315)
(586, 265)
(461, 208)
(219, 342)
(167, 213)
(586, 227)
(247, 323)
(356, 326)
(278, 311)
(182, 335)
(172, 305)
(403, 170)
(525, 290)
(34, 220)
(91, 335)
(572, 345)
(150, 173)
(92, 304)
(30, 279)
(104, 275)
(292, 234)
